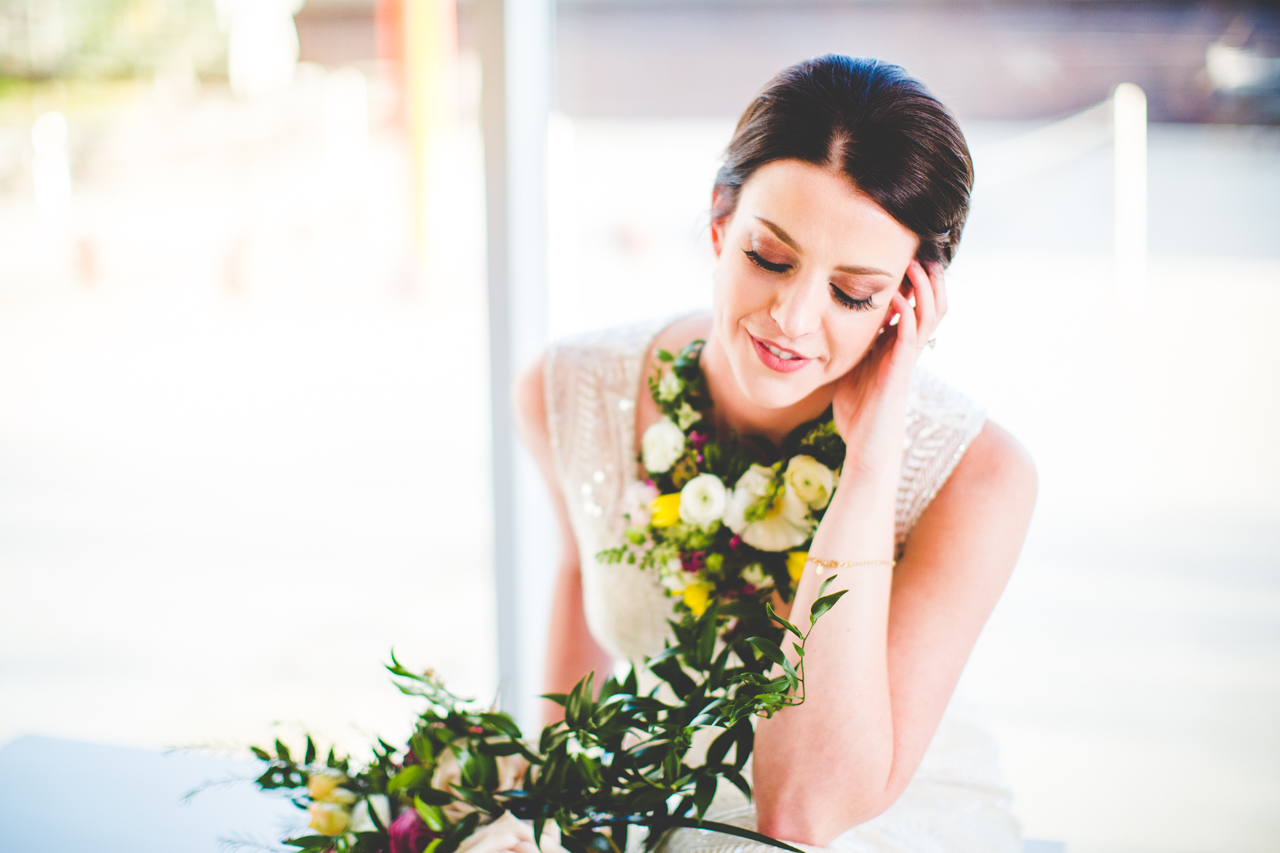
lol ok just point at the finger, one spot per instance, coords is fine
(496, 842)
(906, 321)
(926, 315)
(938, 278)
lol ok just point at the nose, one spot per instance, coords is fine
(797, 307)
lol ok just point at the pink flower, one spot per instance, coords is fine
(693, 561)
(409, 834)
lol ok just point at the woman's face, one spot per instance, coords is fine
(806, 267)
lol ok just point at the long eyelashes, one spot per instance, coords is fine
(763, 264)
(849, 302)
(840, 296)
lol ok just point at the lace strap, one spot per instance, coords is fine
(941, 424)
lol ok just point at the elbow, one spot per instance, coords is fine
(817, 820)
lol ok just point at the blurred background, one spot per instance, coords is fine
(246, 320)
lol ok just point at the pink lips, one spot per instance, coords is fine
(771, 361)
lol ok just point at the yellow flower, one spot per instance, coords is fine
(666, 510)
(323, 784)
(795, 564)
(329, 818)
(697, 597)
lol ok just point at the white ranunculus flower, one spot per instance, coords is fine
(812, 481)
(755, 575)
(786, 524)
(750, 487)
(360, 820)
(669, 386)
(702, 500)
(508, 833)
(637, 502)
(673, 576)
(661, 446)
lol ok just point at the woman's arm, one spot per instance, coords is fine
(881, 669)
(571, 650)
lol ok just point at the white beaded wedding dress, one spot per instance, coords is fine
(957, 801)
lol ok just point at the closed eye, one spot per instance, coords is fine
(763, 264)
(849, 302)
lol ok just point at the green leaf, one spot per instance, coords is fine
(670, 671)
(309, 841)
(768, 608)
(261, 753)
(503, 723)
(768, 649)
(421, 747)
(408, 778)
(431, 815)
(434, 797)
(703, 794)
(282, 751)
(311, 751)
(822, 605)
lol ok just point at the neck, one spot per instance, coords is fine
(733, 411)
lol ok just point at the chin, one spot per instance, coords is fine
(770, 390)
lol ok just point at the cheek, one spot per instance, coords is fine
(736, 292)
(855, 336)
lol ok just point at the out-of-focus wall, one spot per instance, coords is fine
(1009, 59)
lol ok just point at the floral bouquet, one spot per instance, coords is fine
(722, 519)
(726, 525)
(468, 782)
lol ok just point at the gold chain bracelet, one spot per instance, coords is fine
(839, 564)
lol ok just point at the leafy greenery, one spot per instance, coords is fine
(618, 759)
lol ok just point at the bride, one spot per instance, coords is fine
(841, 199)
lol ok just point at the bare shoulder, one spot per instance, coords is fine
(997, 466)
(980, 516)
(682, 331)
(530, 405)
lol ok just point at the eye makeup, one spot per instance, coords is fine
(755, 258)
(864, 304)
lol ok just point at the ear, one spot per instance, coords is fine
(717, 225)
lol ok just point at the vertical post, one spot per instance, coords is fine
(429, 33)
(514, 38)
(1130, 104)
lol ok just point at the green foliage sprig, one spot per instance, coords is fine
(619, 758)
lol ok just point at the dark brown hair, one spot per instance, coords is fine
(873, 123)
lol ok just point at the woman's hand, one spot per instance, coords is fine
(508, 834)
(870, 400)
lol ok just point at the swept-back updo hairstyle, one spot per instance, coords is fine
(874, 124)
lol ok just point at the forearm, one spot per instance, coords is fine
(571, 650)
(847, 713)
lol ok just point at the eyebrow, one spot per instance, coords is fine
(786, 238)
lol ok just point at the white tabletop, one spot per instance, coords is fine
(59, 796)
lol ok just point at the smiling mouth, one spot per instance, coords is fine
(776, 358)
(785, 355)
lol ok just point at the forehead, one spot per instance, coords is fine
(823, 211)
